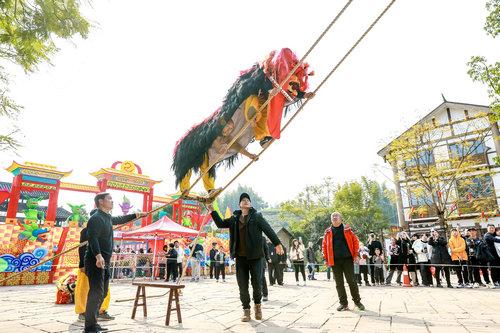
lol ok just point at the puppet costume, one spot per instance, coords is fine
(204, 143)
(66, 289)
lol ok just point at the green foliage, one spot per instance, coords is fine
(28, 29)
(232, 199)
(365, 205)
(492, 25)
(488, 74)
(479, 69)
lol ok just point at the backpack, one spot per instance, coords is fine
(483, 252)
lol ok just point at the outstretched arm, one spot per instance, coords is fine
(126, 218)
(219, 222)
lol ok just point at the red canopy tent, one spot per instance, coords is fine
(160, 229)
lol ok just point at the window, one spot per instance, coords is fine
(477, 187)
(472, 148)
(419, 200)
(425, 158)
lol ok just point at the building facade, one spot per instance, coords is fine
(456, 124)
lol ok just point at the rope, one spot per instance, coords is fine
(273, 93)
(315, 91)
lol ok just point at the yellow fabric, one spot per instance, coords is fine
(457, 247)
(228, 213)
(81, 292)
(208, 181)
(260, 128)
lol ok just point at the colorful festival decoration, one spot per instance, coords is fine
(78, 214)
(11, 263)
(33, 232)
(32, 213)
(125, 205)
(26, 241)
(203, 144)
(66, 286)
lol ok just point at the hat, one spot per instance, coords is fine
(472, 228)
(245, 195)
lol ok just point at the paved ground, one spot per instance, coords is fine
(208, 306)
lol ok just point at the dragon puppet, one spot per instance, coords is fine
(204, 144)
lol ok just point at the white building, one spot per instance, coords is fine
(451, 118)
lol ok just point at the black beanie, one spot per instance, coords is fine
(245, 195)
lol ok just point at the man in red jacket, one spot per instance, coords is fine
(340, 250)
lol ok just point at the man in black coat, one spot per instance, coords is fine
(98, 255)
(246, 247)
(213, 252)
(490, 240)
(274, 266)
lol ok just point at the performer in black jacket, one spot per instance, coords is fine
(98, 255)
(247, 247)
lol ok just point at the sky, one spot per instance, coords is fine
(149, 70)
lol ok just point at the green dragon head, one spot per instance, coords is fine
(76, 209)
(32, 203)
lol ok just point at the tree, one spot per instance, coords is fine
(479, 69)
(308, 214)
(441, 164)
(363, 204)
(232, 199)
(28, 29)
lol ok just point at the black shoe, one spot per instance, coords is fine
(360, 306)
(342, 307)
(368, 284)
(264, 141)
(102, 329)
(450, 286)
(439, 286)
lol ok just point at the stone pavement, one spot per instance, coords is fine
(208, 306)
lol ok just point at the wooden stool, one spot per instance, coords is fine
(172, 295)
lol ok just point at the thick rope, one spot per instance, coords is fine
(315, 91)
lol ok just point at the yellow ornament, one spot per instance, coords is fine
(128, 166)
